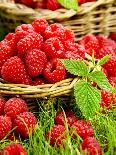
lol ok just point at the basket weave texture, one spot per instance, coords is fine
(94, 17)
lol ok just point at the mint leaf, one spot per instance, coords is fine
(104, 59)
(69, 4)
(100, 78)
(76, 67)
(87, 98)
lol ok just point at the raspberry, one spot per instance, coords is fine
(5, 126)
(11, 41)
(110, 66)
(35, 61)
(32, 41)
(40, 4)
(60, 118)
(28, 2)
(113, 36)
(25, 123)
(40, 25)
(14, 71)
(105, 72)
(112, 80)
(54, 48)
(106, 50)
(54, 71)
(13, 137)
(91, 44)
(38, 81)
(14, 107)
(23, 30)
(82, 128)
(107, 99)
(5, 53)
(56, 135)
(2, 104)
(81, 2)
(53, 5)
(91, 146)
(57, 30)
(13, 149)
(74, 51)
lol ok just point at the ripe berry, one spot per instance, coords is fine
(28, 2)
(56, 135)
(35, 61)
(91, 45)
(113, 36)
(81, 2)
(5, 53)
(57, 30)
(14, 71)
(2, 104)
(38, 81)
(15, 106)
(31, 41)
(82, 128)
(25, 124)
(54, 71)
(13, 149)
(54, 48)
(5, 126)
(40, 4)
(110, 66)
(107, 99)
(23, 30)
(91, 146)
(53, 5)
(60, 118)
(112, 80)
(40, 25)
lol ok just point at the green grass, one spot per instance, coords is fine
(104, 125)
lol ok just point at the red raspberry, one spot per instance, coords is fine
(14, 71)
(40, 4)
(56, 135)
(82, 128)
(5, 126)
(106, 50)
(25, 123)
(110, 66)
(40, 25)
(91, 45)
(2, 104)
(74, 51)
(54, 48)
(27, 2)
(60, 117)
(113, 36)
(91, 146)
(35, 62)
(23, 30)
(38, 81)
(81, 2)
(54, 71)
(14, 107)
(112, 80)
(13, 149)
(5, 53)
(11, 41)
(53, 5)
(105, 72)
(32, 41)
(57, 30)
(107, 99)
(13, 137)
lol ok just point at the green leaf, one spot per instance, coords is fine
(100, 78)
(104, 59)
(87, 98)
(76, 67)
(69, 4)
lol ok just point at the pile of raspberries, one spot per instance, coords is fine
(47, 4)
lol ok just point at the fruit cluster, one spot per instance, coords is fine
(58, 133)
(14, 116)
(47, 4)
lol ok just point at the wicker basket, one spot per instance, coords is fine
(95, 17)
